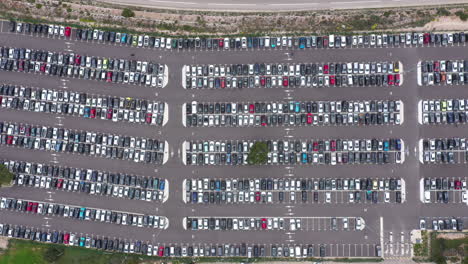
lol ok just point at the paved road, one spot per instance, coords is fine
(277, 5)
(396, 217)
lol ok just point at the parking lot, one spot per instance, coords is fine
(271, 191)
(301, 152)
(265, 114)
(372, 143)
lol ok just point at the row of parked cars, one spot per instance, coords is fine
(139, 247)
(301, 152)
(327, 41)
(266, 223)
(46, 30)
(442, 224)
(304, 69)
(87, 181)
(235, 185)
(445, 144)
(83, 213)
(444, 111)
(292, 81)
(443, 150)
(293, 113)
(444, 184)
(86, 67)
(443, 188)
(83, 142)
(444, 72)
(82, 104)
(217, 191)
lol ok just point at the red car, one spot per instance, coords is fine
(457, 185)
(257, 196)
(285, 81)
(315, 145)
(43, 66)
(223, 82)
(325, 41)
(390, 79)
(109, 113)
(10, 140)
(264, 223)
(29, 207)
(310, 118)
(34, 207)
(263, 119)
(93, 113)
(426, 38)
(221, 43)
(262, 81)
(251, 108)
(60, 183)
(333, 145)
(161, 251)
(397, 79)
(77, 59)
(109, 76)
(325, 69)
(332, 79)
(66, 238)
(21, 66)
(436, 66)
(148, 118)
(67, 31)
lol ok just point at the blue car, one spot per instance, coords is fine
(297, 109)
(386, 145)
(162, 185)
(87, 110)
(194, 197)
(304, 158)
(398, 144)
(123, 39)
(301, 43)
(82, 211)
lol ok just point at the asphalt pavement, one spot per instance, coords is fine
(392, 217)
(276, 5)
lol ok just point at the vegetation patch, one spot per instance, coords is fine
(6, 177)
(443, 249)
(258, 153)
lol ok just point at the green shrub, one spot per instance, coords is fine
(38, 6)
(258, 154)
(5, 175)
(442, 12)
(462, 15)
(126, 12)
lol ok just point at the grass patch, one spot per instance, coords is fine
(444, 249)
(24, 251)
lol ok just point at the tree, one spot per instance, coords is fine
(127, 12)
(5, 175)
(258, 153)
(53, 253)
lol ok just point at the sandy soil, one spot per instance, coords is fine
(452, 235)
(3, 242)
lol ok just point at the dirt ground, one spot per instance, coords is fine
(452, 235)
(177, 23)
(3, 243)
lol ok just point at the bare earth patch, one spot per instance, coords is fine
(88, 13)
(3, 243)
(457, 235)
